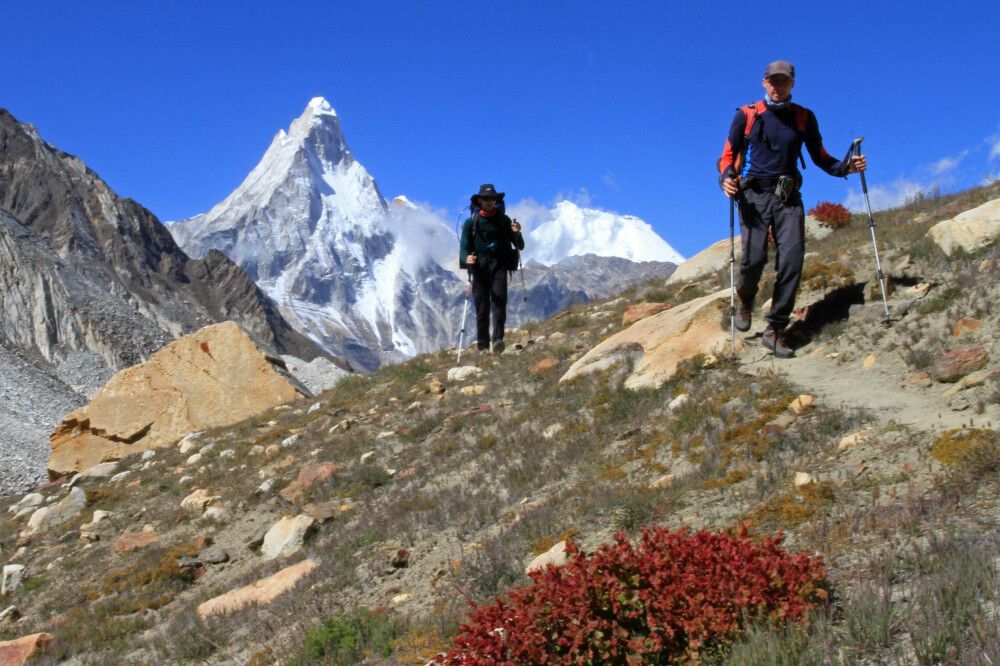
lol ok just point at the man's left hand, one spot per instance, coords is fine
(858, 163)
(515, 226)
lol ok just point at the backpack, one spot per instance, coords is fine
(751, 111)
(515, 260)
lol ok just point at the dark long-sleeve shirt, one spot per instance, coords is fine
(775, 144)
(490, 235)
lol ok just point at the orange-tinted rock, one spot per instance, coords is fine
(260, 593)
(214, 377)
(132, 541)
(322, 512)
(19, 650)
(545, 365)
(637, 311)
(953, 365)
(309, 476)
(966, 326)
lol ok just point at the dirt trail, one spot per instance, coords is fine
(881, 389)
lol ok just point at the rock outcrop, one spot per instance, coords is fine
(970, 231)
(657, 344)
(211, 378)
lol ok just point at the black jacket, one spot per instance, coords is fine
(490, 236)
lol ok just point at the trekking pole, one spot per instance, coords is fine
(465, 312)
(524, 299)
(856, 148)
(732, 281)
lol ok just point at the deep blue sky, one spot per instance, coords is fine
(623, 104)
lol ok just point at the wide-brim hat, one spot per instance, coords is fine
(486, 190)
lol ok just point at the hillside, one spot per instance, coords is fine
(425, 492)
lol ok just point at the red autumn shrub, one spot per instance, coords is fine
(662, 600)
(833, 215)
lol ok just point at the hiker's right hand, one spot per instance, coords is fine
(730, 186)
(471, 259)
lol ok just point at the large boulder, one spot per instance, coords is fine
(214, 377)
(19, 651)
(970, 231)
(657, 344)
(710, 260)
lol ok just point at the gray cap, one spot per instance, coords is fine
(779, 67)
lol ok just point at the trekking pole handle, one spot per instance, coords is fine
(856, 145)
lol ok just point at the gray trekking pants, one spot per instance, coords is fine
(759, 211)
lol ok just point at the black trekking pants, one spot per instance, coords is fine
(759, 211)
(489, 290)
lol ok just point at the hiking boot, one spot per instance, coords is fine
(743, 316)
(498, 347)
(775, 341)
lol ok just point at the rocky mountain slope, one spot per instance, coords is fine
(91, 283)
(372, 281)
(355, 527)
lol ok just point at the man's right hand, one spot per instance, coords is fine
(471, 259)
(730, 186)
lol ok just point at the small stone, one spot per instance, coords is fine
(400, 598)
(869, 361)
(193, 459)
(10, 615)
(286, 536)
(315, 408)
(272, 450)
(120, 476)
(801, 404)
(401, 559)
(436, 386)
(197, 501)
(289, 441)
(187, 444)
(148, 455)
(29, 501)
(185, 479)
(546, 364)
(13, 574)
(553, 430)
(386, 434)
(556, 556)
(852, 440)
(227, 454)
(462, 373)
(475, 389)
(779, 424)
(133, 541)
(265, 487)
(664, 481)
(20, 650)
(216, 513)
(678, 402)
(803, 479)
(365, 457)
(256, 450)
(963, 326)
(953, 365)
(322, 512)
(919, 378)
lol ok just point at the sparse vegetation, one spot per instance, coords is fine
(472, 487)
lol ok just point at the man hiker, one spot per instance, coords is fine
(487, 249)
(758, 167)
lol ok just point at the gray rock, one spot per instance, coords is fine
(13, 574)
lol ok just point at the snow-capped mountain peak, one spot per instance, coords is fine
(570, 230)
